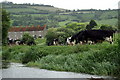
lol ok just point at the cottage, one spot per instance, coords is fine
(17, 32)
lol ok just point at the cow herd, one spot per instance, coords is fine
(82, 37)
(19, 42)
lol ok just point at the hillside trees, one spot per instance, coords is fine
(5, 26)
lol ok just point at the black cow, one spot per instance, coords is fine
(77, 37)
(11, 41)
(31, 43)
(21, 42)
(93, 35)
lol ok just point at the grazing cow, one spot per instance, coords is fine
(96, 35)
(55, 42)
(93, 35)
(78, 38)
(31, 43)
(21, 42)
(49, 43)
(69, 41)
(11, 42)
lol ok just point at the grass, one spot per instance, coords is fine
(52, 9)
(40, 41)
(93, 61)
(17, 10)
(112, 22)
(99, 59)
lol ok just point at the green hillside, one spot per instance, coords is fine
(39, 14)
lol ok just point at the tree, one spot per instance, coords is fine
(88, 27)
(60, 33)
(5, 26)
(63, 34)
(91, 25)
(51, 35)
(76, 26)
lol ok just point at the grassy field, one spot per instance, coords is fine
(52, 9)
(100, 59)
(112, 22)
(17, 10)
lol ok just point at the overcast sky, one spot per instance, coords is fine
(74, 4)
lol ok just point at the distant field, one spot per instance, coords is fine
(53, 9)
(63, 23)
(16, 10)
(39, 15)
(112, 22)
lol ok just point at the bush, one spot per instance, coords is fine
(27, 39)
(6, 55)
(14, 53)
(33, 54)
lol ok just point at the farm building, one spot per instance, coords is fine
(17, 32)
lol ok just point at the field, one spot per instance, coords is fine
(112, 22)
(100, 59)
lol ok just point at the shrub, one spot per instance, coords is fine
(6, 55)
(27, 38)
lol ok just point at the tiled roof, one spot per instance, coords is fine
(19, 29)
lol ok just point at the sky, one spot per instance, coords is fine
(74, 4)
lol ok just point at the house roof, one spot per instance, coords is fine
(27, 28)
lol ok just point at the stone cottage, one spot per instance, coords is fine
(17, 32)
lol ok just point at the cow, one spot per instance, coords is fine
(96, 35)
(31, 43)
(77, 38)
(93, 35)
(69, 42)
(11, 41)
(55, 41)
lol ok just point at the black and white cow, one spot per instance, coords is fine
(56, 41)
(68, 40)
(93, 35)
